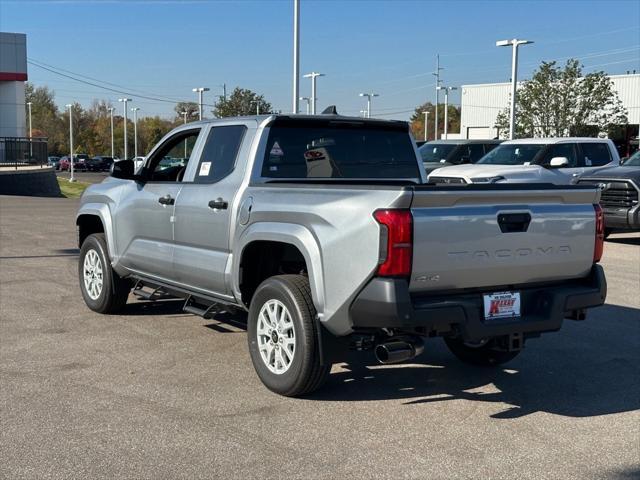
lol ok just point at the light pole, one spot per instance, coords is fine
(200, 91)
(70, 107)
(306, 99)
(124, 101)
(369, 96)
(446, 108)
(438, 82)
(314, 98)
(30, 133)
(363, 113)
(296, 55)
(135, 130)
(515, 43)
(426, 123)
(111, 110)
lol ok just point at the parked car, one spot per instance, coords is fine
(99, 164)
(534, 160)
(54, 162)
(322, 228)
(620, 189)
(443, 153)
(80, 161)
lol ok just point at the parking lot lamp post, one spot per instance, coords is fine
(30, 132)
(296, 56)
(438, 82)
(111, 109)
(363, 113)
(514, 43)
(135, 130)
(200, 91)
(314, 97)
(446, 109)
(306, 99)
(369, 96)
(70, 107)
(124, 101)
(426, 123)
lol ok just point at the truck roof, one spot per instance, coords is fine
(291, 116)
(554, 140)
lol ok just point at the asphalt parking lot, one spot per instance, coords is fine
(157, 393)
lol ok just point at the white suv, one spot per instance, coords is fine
(534, 160)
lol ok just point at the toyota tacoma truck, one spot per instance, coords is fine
(324, 230)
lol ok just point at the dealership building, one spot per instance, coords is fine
(481, 104)
(13, 75)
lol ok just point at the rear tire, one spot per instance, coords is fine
(102, 289)
(483, 355)
(283, 337)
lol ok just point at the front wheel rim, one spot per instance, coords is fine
(276, 336)
(92, 274)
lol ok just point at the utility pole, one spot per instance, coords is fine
(426, 123)
(30, 133)
(314, 98)
(306, 99)
(224, 91)
(369, 96)
(111, 109)
(135, 130)
(70, 107)
(296, 55)
(200, 91)
(438, 82)
(124, 101)
(446, 109)
(515, 43)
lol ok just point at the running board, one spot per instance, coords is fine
(158, 293)
(204, 311)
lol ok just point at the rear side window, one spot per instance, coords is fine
(339, 150)
(595, 154)
(219, 154)
(476, 152)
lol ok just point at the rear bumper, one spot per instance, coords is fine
(386, 303)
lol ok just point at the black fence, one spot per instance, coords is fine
(19, 151)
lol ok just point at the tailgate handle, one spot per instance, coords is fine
(514, 222)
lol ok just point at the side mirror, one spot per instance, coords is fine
(124, 169)
(559, 162)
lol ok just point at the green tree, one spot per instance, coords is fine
(417, 120)
(45, 117)
(241, 102)
(560, 102)
(190, 107)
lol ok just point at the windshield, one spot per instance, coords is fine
(514, 154)
(434, 152)
(633, 160)
(331, 149)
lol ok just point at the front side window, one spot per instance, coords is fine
(595, 154)
(169, 162)
(219, 154)
(436, 152)
(476, 152)
(566, 150)
(334, 149)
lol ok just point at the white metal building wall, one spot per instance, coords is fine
(481, 104)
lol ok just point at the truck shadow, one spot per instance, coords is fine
(581, 371)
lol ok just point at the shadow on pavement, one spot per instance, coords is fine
(625, 240)
(575, 382)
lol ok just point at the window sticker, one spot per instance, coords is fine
(276, 150)
(588, 161)
(205, 167)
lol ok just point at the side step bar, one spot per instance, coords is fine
(204, 311)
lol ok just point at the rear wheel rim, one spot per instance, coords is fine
(276, 336)
(92, 274)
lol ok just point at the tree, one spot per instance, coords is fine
(46, 119)
(241, 102)
(190, 107)
(417, 120)
(559, 102)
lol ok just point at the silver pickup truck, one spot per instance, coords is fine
(324, 230)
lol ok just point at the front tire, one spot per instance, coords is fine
(102, 289)
(283, 337)
(484, 355)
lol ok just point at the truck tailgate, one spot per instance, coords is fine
(500, 235)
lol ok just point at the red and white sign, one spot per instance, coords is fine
(502, 305)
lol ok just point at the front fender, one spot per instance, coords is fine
(293, 234)
(101, 210)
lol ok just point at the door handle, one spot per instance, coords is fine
(166, 200)
(218, 204)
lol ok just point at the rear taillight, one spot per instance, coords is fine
(396, 242)
(599, 246)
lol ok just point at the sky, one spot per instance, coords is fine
(164, 48)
